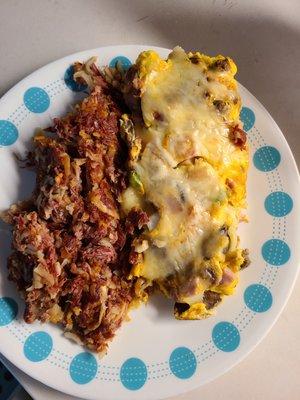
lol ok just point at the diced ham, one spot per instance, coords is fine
(228, 276)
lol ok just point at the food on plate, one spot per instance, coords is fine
(188, 167)
(140, 188)
(70, 244)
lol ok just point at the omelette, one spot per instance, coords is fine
(188, 162)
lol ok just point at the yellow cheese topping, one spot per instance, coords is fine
(189, 176)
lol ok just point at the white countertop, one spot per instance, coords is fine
(264, 39)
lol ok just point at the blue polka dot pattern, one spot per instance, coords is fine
(83, 368)
(247, 116)
(8, 133)
(8, 310)
(278, 204)
(266, 158)
(183, 363)
(258, 298)
(133, 373)
(124, 61)
(276, 252)
(226, 336)
(36, 100)
(71, 83)
(38, 346)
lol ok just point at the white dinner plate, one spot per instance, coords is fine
(153, 356)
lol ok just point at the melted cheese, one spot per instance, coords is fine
(181, 122)
(190, 125)
(182, 204)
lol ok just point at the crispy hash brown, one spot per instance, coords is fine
(70, 245)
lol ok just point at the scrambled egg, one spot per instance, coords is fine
(188, 172)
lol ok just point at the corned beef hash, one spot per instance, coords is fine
(140, 189)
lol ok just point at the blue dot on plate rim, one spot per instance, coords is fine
(182, 362)
(278, 204)
(276, 252)
(8, 133)
(266, 158)
(226, 336)
(124, 61)
(71, 83)
(36, 100)
(38, 346)
(247, 116)
(133, 374)
(258, 298)
(8, 310)
(83, 368)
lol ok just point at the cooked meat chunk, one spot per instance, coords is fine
(238, 137)
(211, 299)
